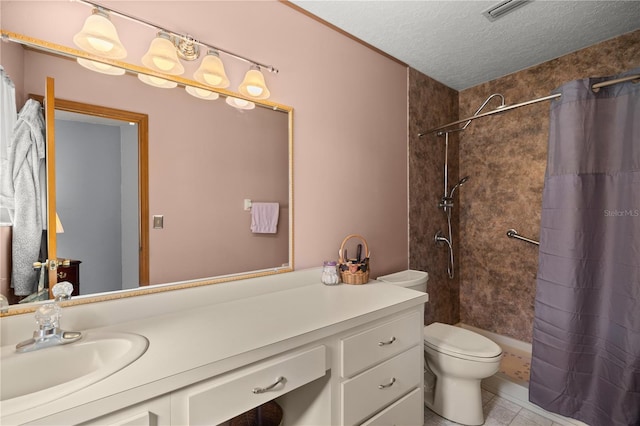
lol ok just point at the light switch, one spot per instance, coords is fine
(158, 221)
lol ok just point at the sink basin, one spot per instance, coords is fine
(32, 378)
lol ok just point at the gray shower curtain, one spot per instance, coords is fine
(586, 335)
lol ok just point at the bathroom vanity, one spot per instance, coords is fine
(331, 355)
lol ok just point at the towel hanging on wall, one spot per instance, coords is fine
(264, 218)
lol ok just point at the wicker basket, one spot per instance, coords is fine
(352, 271)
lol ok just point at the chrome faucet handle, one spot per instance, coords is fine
(62, 291)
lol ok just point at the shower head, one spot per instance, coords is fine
(462, 182)
(495, 95)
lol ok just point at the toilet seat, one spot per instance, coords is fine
(460, 343)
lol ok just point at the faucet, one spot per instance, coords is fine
(48, 316)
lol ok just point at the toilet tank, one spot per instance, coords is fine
(415, 280)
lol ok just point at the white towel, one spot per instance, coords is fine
(264, 218)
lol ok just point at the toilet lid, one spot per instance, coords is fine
(460, 341)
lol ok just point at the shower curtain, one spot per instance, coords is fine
(586, 335)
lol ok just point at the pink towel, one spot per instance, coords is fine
(264, 218)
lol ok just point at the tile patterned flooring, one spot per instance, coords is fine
(497, 412)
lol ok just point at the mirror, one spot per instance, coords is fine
(205, 159)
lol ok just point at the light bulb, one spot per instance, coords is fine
(100, 67)
(157, 80)
(212, 79)
(254, 85)
(254, 90)
(240, 103)
(202, 92)
(162, 63)
(99, 44)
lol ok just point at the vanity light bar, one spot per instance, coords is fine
(186, 38)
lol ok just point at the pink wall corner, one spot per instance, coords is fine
(350, 111)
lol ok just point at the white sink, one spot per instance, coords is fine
(33, 378)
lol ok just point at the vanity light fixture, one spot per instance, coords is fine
(240, 103)
(253, 85)
(211, 71)
(157, 81)
(100, 67)
(202, 93)
(162, 56)
(99, 36)
(186, 47)
(166, 51)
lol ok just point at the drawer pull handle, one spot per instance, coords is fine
(279, 380)
(388, 385)
(388, 342)
(62, 275)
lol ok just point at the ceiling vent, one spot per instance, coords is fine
(502, 8)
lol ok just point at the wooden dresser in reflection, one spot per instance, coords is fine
(71, 273)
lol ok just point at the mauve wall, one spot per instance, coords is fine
(430, 105)
(350, 132)
(505, 156)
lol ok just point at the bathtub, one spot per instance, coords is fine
(511, 382)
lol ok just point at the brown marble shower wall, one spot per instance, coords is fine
(505, 157)
(431, 104)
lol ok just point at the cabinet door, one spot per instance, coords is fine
(408, 411)
(155, 412)
(380, 386)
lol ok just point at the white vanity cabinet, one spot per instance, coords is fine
(331, 355)
(381, 366)
(155, 412)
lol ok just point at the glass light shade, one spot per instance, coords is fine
(162, 56)
(157, 81)
(240, 103)
(253, 85)
(99, 37)
(211, 72)
(100, 67)
(201, 93)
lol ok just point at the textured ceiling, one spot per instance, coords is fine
(452, 42)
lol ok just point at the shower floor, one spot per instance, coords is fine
(516, 364)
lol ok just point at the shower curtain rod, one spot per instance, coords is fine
(498, 110)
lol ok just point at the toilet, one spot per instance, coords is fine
(456, 362)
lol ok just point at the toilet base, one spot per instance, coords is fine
(458, 400)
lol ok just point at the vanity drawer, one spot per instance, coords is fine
(409, 410)
(376, 388)
(219, 399)
(369, 347)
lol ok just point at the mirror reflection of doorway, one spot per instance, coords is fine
(97, 200)
(101, 187)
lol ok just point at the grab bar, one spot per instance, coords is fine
(512, 233)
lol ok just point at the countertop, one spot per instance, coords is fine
(190, 345)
